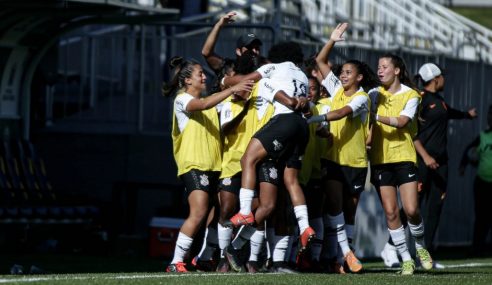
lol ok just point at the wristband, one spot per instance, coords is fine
(377, 117)
(393, 122)
(316, 119)
(222, 81)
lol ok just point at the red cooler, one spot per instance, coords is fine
(163, 234)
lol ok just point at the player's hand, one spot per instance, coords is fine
(301, 103)
(473, 112)
(243, 88)
(227, 18)
(337, 34)
(431, 162)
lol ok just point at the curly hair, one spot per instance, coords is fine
(286, 51)
(369, 77)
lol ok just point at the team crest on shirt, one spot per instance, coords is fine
(277, 145)
(228, 114)
(273, 173)
(204, 180)
(227, 181)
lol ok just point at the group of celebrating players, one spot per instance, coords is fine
(270, 126)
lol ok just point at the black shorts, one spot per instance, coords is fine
(285, 137)
(207, 181)
(268, 171)
(231, 184)
(313, 186)
(353, 179)
(393, 174)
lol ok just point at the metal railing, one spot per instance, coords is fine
(420, 25)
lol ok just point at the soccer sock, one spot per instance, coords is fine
(317, 244)
(330, 243)
(244, 235)
(209, 244)
(338, 223)
(183, 245)
(245, 200)
(278, 245)
(225, 235)
(301, 213)
(280, 248)
(349, 229)
(398, 237)
(256, 244)
(417, 232)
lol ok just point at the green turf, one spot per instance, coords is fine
(483, 16)
(375, 273)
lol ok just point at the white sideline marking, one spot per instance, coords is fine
(462, 265)
(473, 264)
(139, 276)
(149, 276)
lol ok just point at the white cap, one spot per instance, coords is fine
(429, 71)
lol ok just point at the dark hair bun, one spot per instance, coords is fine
(175, 61)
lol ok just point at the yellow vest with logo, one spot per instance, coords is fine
(198, 146)
(311, 165)
(325, 150)
(237, 140)
(390, 144)
(349, 133)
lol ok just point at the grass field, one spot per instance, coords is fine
(143, 271)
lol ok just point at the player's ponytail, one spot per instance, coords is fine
(181, 69)
(369, 78)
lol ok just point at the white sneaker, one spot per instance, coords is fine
(390, 256)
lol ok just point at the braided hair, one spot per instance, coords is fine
(181, 70)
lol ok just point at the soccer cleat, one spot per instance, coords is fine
(179, 267)
(240, 220)
(306, 237)
(424, 258)
(252, 267)
(333, 266)
(232, 256)
(303, 263)
(352, 262)
(204, 265)
(407, 267)
(390, 256)
(223, 266)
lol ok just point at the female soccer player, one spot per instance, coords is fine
(240, 119)
(346, 167)
(196, 146)
(394, 158)
(283, 137)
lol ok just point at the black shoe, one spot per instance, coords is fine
(232, 256)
